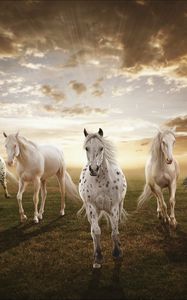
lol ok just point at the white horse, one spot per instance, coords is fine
(161, 172)
(36, 163)
(102, 187)
(3, 173)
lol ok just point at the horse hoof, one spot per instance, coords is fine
(23, 218)
(159, 215)
(36, 221)
(96, 265)
(117, 254)
(173, 223)
(40, 216)
(62, 213)
(7, 196)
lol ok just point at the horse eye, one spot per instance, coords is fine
(86, 148)
(101, 149)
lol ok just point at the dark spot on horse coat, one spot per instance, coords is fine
(88, 196)
(79, 180)
(116, 187)
(117, 173)
(114, 181)
(85, 181)
(87, 191)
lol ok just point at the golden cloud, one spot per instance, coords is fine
(179, 122)
(78, 87)
(146, 37)
(75, 110)
(53, 93)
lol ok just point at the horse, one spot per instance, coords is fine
(161, 171)
(3, 175)
(37, 163)
(102, 188)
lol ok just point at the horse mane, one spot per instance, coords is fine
(156, 143)
(108, 146)
(25, 142)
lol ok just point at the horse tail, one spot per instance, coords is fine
(71, 188)
(81, 211)
(123, 215)
(146, 195)
(11, 176)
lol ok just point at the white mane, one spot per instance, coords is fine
(109, 149)
(155, 149)
(25, 142)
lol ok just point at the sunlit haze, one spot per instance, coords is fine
(116, 65)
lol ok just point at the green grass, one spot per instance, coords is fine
(53, 260)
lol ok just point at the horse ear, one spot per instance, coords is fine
(173, 129)
(5, 135)
(85, 132)
(17, 134)
(100, 132)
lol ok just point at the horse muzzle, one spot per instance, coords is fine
(93, 172)
(169, 161)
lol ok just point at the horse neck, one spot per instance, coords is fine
(25, 153)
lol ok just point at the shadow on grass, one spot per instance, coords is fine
(174, 244)
(16, 235)
(97, 289)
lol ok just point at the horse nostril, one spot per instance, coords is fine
(90, 169)
(97, 168)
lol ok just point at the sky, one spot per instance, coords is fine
(70, 65)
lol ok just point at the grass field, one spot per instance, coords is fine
(53, 260)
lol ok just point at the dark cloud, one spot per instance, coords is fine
(53, 93)
(179, 122)
(78, 87)
(7, 47)
(140, 33)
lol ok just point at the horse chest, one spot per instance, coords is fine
(101, 190)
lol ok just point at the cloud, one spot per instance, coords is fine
(78, 87)
(32, 66)
(53, 93)
(97, 89)
(76, 110)
(98, 92)
(138, 33)
(83, 110)
(180, 123)
(7, 46)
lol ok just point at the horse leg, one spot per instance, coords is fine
(114, 220)
(4, 185)
(159, 209)
(158, 193)
(22, 186)
(61, 181)
(43, 195)
(95, 233)
(36, 198)
(172, 191)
